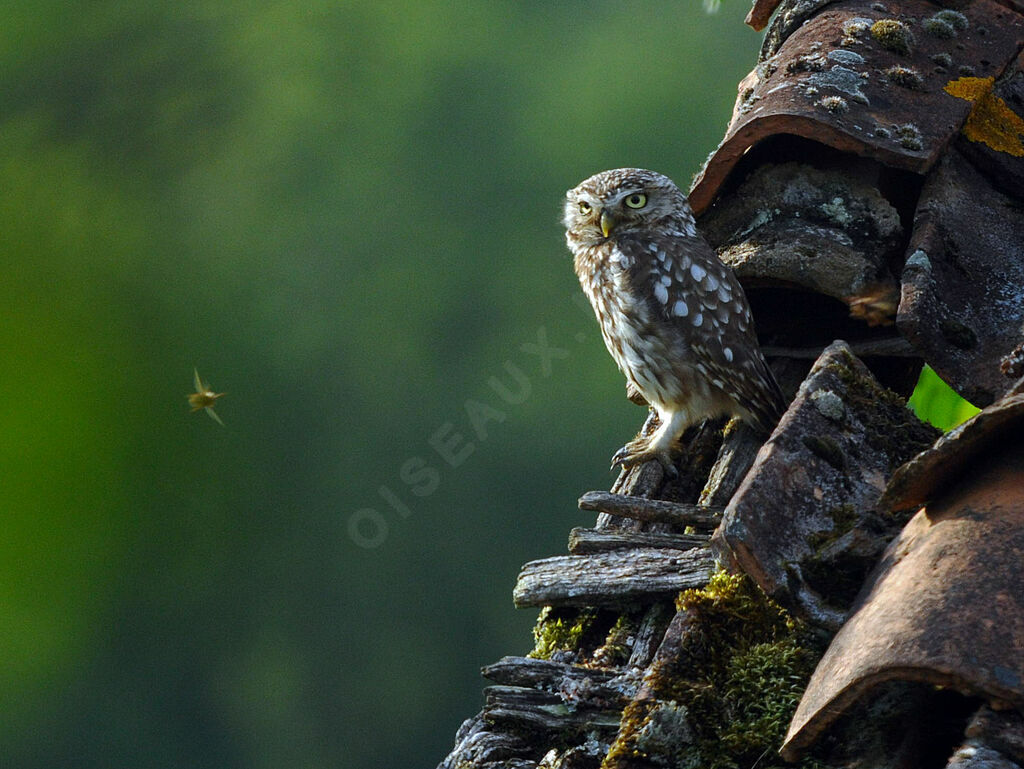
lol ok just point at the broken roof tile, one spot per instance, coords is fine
(869, 82)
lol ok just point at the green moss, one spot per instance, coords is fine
(559, 631)
(837, 105)
(844, 517)
(893, 35)
(730, 693)
(939, 28)
(909, 136)
(905, 77)
(634, 718)
(888, 425)
(954, 18)
(763, 692)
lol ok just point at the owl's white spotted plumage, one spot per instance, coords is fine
(673, 316)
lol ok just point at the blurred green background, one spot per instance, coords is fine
(345, 215)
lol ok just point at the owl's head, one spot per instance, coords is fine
(612, 203)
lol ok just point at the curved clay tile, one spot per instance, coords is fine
(944, 605)
(869, 82)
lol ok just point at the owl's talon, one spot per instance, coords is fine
(637, 452)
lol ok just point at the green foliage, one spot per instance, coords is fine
(935, 402)
(555, 632)
(743, 666)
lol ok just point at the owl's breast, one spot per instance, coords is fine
(645, 349)
(606, 280)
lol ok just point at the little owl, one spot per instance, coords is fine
(673, 316)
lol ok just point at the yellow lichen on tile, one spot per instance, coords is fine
(990, 120)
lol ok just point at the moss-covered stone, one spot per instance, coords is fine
(730, 693)
(829, 405)
(839, 576)
(844, 518)
(665, 727)
(888, 424)
(837, 573)
(893, 35)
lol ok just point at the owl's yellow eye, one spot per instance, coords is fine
(636, 200)
(584, 207)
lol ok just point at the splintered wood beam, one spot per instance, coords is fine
(476, 744)
(735, 458)
(595, 688)
(649, 634)
(541, 674)
(528, 709)
(585, 541)
(651, 510)
(611, 579)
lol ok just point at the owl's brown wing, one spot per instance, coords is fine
(695, 296)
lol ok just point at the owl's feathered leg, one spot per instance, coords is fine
(658, 446)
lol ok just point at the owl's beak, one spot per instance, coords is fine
(607, 223)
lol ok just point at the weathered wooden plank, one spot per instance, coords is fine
(735, 458)
(527, 709)
(584, 541)
(650, 633)
(596, 688)
(477, 745)
(643, 480)
(541, 674)
(651, 510)
(649, 480)
(611, 579)
(668, 651)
